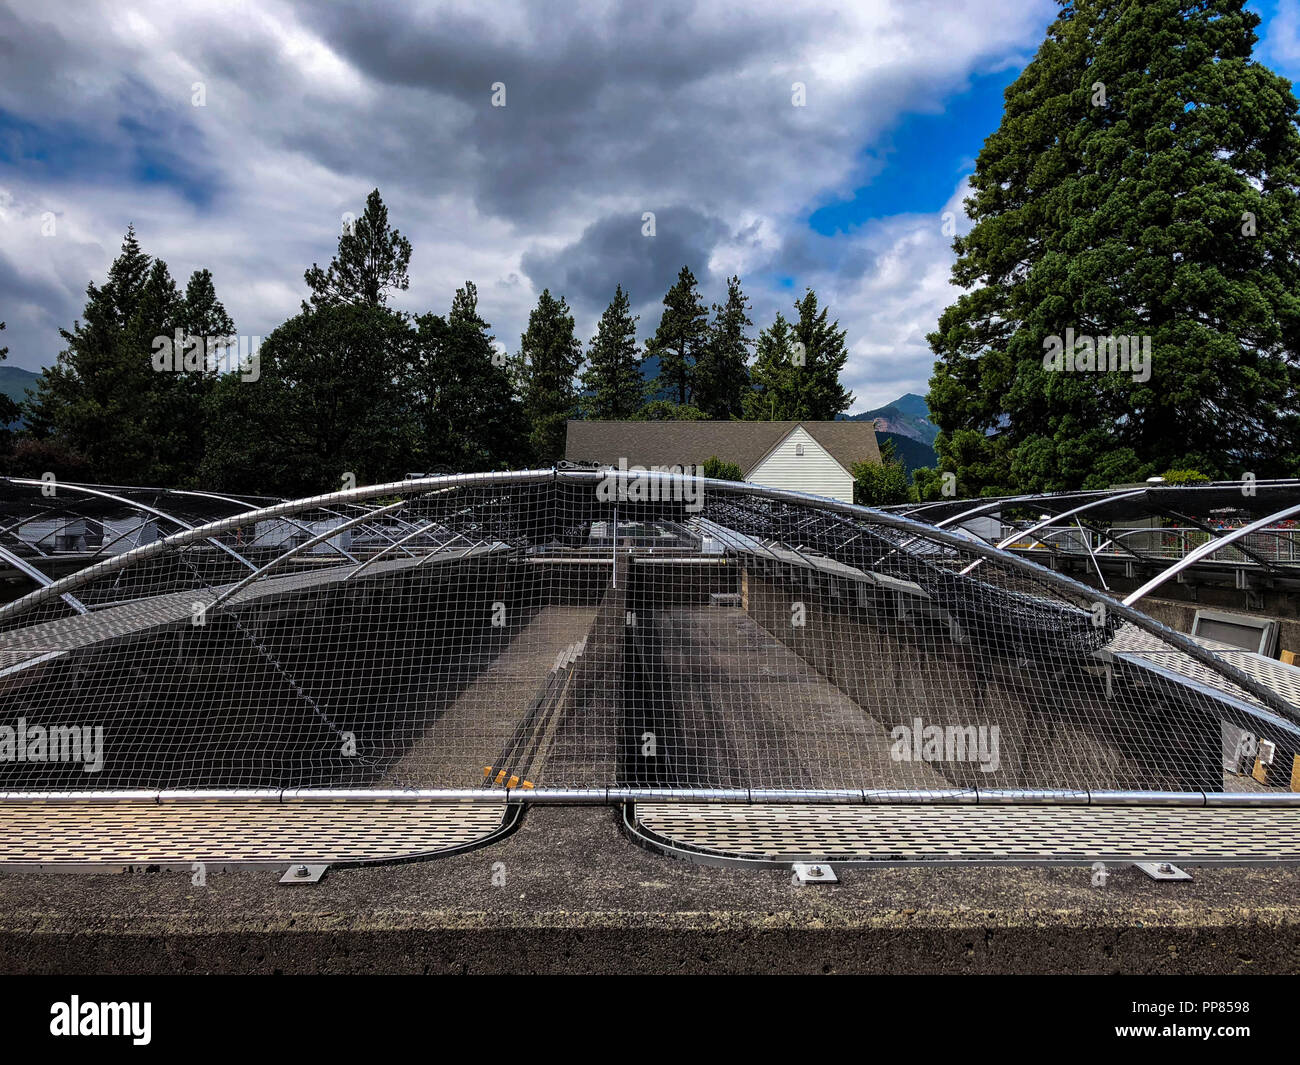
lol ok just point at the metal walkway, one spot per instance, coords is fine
(722, 833)
(112, 833)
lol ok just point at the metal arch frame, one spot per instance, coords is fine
(44, 580)
(144, 507)
(277, 510)
(297, 524)
(362, 566)
(132, 504)
(38, 515)
(279, 559)
(1249, 552)
(1043, 523)
(1107, 542)
(35, 545)
(1208, 548)
(1000, 502)
(919, 530)
(392, 541)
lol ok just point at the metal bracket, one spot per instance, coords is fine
(814, 873)
(1163, 871)
(303, 874)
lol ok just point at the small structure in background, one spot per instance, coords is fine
(809, 456)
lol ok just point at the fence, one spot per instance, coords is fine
(546, 632)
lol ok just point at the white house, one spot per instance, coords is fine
(813, 457)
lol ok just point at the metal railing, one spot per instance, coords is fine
(1170, 543)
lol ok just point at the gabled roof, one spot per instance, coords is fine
(744, 443)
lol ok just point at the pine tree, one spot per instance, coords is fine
(771, 396)
(105, 400)
(796, 375)
(612, 378)
(1141, 184)
(329, 401)
(372, 257)
(679, 338)
(467, 405)
(551, 355)
(204, 314)
(722, 373)
(817, 381)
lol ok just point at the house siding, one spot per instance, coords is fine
(814, 471)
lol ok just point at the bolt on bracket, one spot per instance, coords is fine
(814, 873)
(1163, 871)
(303, 874)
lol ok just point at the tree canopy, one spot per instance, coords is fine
(1141, 185)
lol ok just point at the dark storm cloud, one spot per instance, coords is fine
(612, 110)
(804, 253)
(592, 104)
(613, 251)
(33, 310)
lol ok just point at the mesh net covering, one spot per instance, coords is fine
(573, 629)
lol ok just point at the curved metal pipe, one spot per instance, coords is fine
(312, 542)
(296, 524)
(1055, 517)
(19, 563)
(1208, 548)
(215, 528)
(1066, 586)
(140, 506)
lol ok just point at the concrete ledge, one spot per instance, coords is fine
(579, 897)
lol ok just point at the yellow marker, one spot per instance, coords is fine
(1295, 772)
(1288, 657)
(1261, 772)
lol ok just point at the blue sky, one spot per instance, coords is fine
(677, 108)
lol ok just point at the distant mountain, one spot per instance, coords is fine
(14, 383)
(907, 416)
(911, 453)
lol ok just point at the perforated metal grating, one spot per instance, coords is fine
(912, 833)
(1133, 644)
(241, 831)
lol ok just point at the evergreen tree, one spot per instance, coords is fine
(551, 355)
(612, 378)
(105, 399)
(665, 410)
(204, 314)
(372, 257)
(816, 383)
(722, 373)
(796, 375)
(717, 469)
(1141, 184)
(9, 410)
(679, 338)
(329, 400)
(771, 396)
(883, 483)
(468, 411)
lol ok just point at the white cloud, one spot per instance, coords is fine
(611, 109)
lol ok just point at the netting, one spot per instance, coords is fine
(571, 629)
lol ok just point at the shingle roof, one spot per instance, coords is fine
(744, 443)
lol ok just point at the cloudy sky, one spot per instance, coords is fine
(684, 110)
